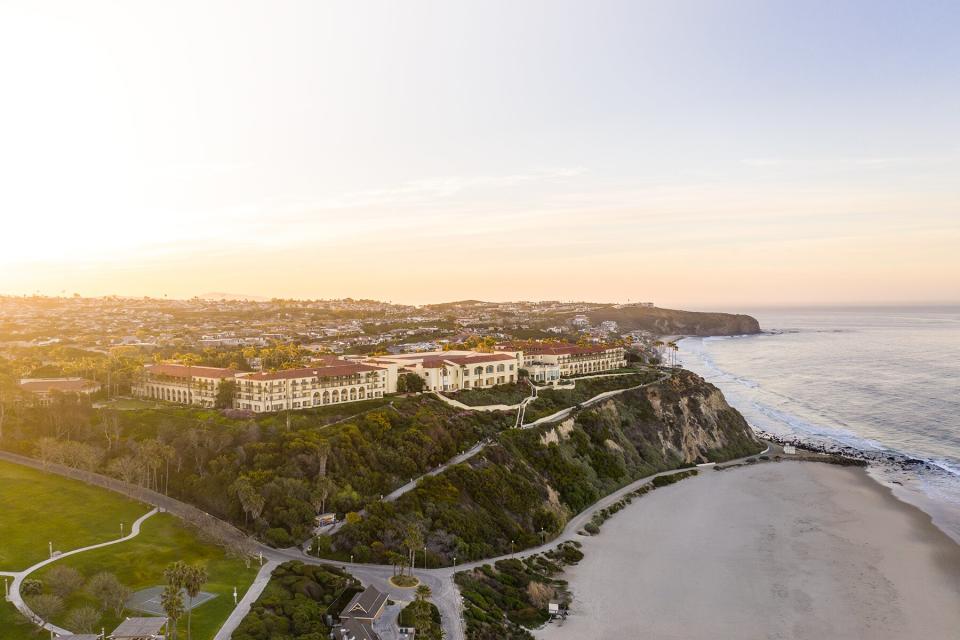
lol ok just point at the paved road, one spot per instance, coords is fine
(19, 576)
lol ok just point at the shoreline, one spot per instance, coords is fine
(893, 471)
(770, 550)
(907, 476)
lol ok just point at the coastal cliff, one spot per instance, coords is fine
(676, 322)
(530, 482)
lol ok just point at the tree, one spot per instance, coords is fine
(225, 395)
(110, 592)
(409, 383)
(193, 580)
(46, 605)
(424, 592)
(64, 580)
(171, 599)
(413, 540)
(83, 619)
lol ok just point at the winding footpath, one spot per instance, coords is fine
(19, 576)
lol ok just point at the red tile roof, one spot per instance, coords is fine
(555, 349)
(184, 371)
(344, 369)
(435, 362)
(63, 385)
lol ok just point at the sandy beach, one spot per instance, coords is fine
(790, 550)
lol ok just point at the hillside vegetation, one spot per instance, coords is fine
(528, 484)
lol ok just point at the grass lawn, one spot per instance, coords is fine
(41, 507)
(509, 394)
(549, 401)
(139, 563)
(127, 404)
(13, 626)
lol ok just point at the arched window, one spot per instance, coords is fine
(336, 396)
(326, 397)
(489, 368)
(316, 398)
(361, 393)
(353, 393)
(478, 370)
(500, 367)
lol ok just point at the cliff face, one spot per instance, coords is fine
(684, 420)
(695, 422)
(676, 322)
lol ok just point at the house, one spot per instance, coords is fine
(353, 629)
(366, 605)
(42, 389)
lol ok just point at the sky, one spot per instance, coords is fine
(692, 153)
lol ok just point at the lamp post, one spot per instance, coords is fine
(50, 546)
(454, 564)
(234, 596)
(6, 589)
(424, 556)
(351, 558)
(121, 528)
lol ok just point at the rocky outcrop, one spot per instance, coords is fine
(675, 322)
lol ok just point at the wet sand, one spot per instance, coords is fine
(775, 551)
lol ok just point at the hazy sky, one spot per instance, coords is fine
(692, 153)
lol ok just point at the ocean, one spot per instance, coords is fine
(884, 381)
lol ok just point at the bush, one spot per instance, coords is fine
(31, 587)
(278, 537)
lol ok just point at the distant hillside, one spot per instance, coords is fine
(676, 322)
(218, 295)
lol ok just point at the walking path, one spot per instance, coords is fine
(19, 576)
(243, 607)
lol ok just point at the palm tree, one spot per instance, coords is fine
(424, 592)
(193, 580)
(172, 602)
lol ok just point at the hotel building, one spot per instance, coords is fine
(455, 370)
(182, 384)
(548, 363)
(329, 383)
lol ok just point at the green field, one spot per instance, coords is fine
(508, 394)
(40, 507)
(14, 626)
(549, 401)
(139, 563)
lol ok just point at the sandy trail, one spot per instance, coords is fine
(775, 551)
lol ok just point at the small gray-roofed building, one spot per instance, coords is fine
(366, 605)
(82, 636)
(140, 629)
(353, 629)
